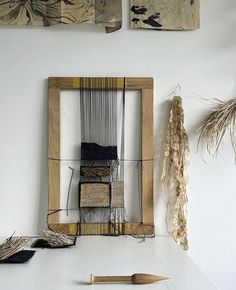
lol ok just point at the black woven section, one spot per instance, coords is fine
(93, 151)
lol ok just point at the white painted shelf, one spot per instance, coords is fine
(70, 268)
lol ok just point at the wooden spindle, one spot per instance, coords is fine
(139, 278)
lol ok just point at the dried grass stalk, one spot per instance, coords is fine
(12, 246)
(57, 239)
(221, 118)
(174, 171)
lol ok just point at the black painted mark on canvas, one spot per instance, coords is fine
(139, 10)
(191, 2)
(135, 20)
(151, 20)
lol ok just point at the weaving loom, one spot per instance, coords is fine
(100, 178)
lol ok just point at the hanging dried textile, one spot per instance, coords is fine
(174, 172)
(106, 13)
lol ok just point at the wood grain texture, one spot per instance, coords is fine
(147, 157)
(67, 229)
(54, 123)
(75, 83)
(139, 278)
(60, 82)
(103, 229)
(147, 124)
(139, 83)
(53, 190)
(147, 193)
(139, 229)
(110, 279)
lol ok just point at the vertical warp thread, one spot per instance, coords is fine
(98, 101)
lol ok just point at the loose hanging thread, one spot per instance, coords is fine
(174, 171)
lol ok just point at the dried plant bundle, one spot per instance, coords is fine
(221, 118)
(12, 246)
(174, 171)
(57, 239)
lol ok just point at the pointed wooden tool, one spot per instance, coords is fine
(139, 278)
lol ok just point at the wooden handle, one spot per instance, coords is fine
(112, 279)
(139, 278)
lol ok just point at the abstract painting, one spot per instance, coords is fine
(164, 14)
(106, 13)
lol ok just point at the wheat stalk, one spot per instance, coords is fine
(221, 118)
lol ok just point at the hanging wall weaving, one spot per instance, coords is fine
(164, 15)
(176, 150)
(106, 13)
(101, 176)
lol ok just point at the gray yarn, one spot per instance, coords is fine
(99, 111)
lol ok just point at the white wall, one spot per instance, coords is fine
(203, 62)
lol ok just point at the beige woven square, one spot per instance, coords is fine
(117, 193)
(94, 195)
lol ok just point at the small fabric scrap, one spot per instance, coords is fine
(54, 240)
(12, 250)
(12, 246)
(164, 15)
(106, 13)
(19, 257)
(41, 243)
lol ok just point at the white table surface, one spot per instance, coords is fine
(70, 268)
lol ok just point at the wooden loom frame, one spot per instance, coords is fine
(146, 226)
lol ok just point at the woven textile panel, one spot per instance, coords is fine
(117, 193)
(94, 195)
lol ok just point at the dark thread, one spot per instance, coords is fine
(68, 194)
